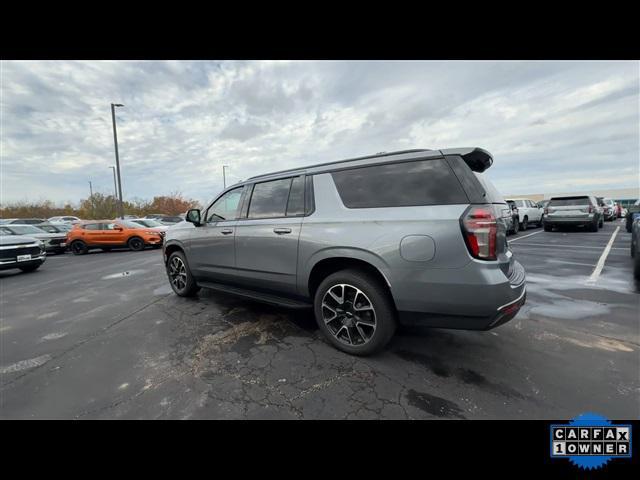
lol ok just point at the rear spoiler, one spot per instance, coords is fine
(476, 158)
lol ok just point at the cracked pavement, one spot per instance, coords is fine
(80, 338)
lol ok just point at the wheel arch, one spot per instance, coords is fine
(172, 247)
(331, 261)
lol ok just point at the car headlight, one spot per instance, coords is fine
(42, 245)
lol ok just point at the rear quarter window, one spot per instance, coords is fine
(403, 184)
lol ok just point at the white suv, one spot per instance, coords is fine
(528, 212)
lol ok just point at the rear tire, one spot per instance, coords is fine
(180, 277)
(78, 247)
(30, 268)
(525, 224)
(136, 244)
(516, 227)
(355, 312)
(593, 227)
(548, 228)
(636, 267)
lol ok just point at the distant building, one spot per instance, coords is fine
(625, 196)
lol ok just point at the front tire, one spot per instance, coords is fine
(355, 312)
(516, 227)
(136, 244)
(180, 277)
(79, 247)
(547, 228)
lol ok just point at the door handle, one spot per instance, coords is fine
(281, 231)
(226, 231)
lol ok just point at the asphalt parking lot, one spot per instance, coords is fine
(103, 336)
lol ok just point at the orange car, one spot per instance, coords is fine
(108, 234)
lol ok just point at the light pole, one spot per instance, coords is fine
(91, 197)
(115, 185)
(115, 142)
(224, 178)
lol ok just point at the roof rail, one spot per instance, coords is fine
(377, 155)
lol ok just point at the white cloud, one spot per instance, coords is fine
(548, 124)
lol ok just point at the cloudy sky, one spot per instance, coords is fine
(551, 126)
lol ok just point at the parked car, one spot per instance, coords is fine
(609, 207)
(21, 221)
(413, 237)
(53, 242)
(108, 234)
(64, 219)
(581, 210)
(632, 211)
(635, 247)
(149, 223)
(155, 216)
(514, 218)
(21, 251)
(528, 212)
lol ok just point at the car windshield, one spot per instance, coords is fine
(50, 229)
(130, 224)
(568, 201)
(149, 223)
(25, 229)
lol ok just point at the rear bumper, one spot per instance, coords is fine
(570, 221)
(485, 300)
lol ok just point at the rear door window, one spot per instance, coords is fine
(295, 204)
(269, 199)
(403, 184)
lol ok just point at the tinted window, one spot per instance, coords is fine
(295, 205)
(92, 226)
(429, 182)
(269, 199)
(225, 207)
(569, 201)
(5, 231)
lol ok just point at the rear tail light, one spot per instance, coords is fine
(546, 211)
(480, 231)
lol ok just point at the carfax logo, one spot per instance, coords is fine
(590, 441)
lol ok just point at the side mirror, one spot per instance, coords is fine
(193, 216)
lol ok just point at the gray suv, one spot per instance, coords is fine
(576, 211)
(415, 237)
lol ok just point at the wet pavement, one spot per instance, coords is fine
(103, 336)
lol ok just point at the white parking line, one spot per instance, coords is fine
(603, 258)
(559, 245)
(525, 236)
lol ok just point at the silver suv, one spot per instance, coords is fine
(413, 237)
